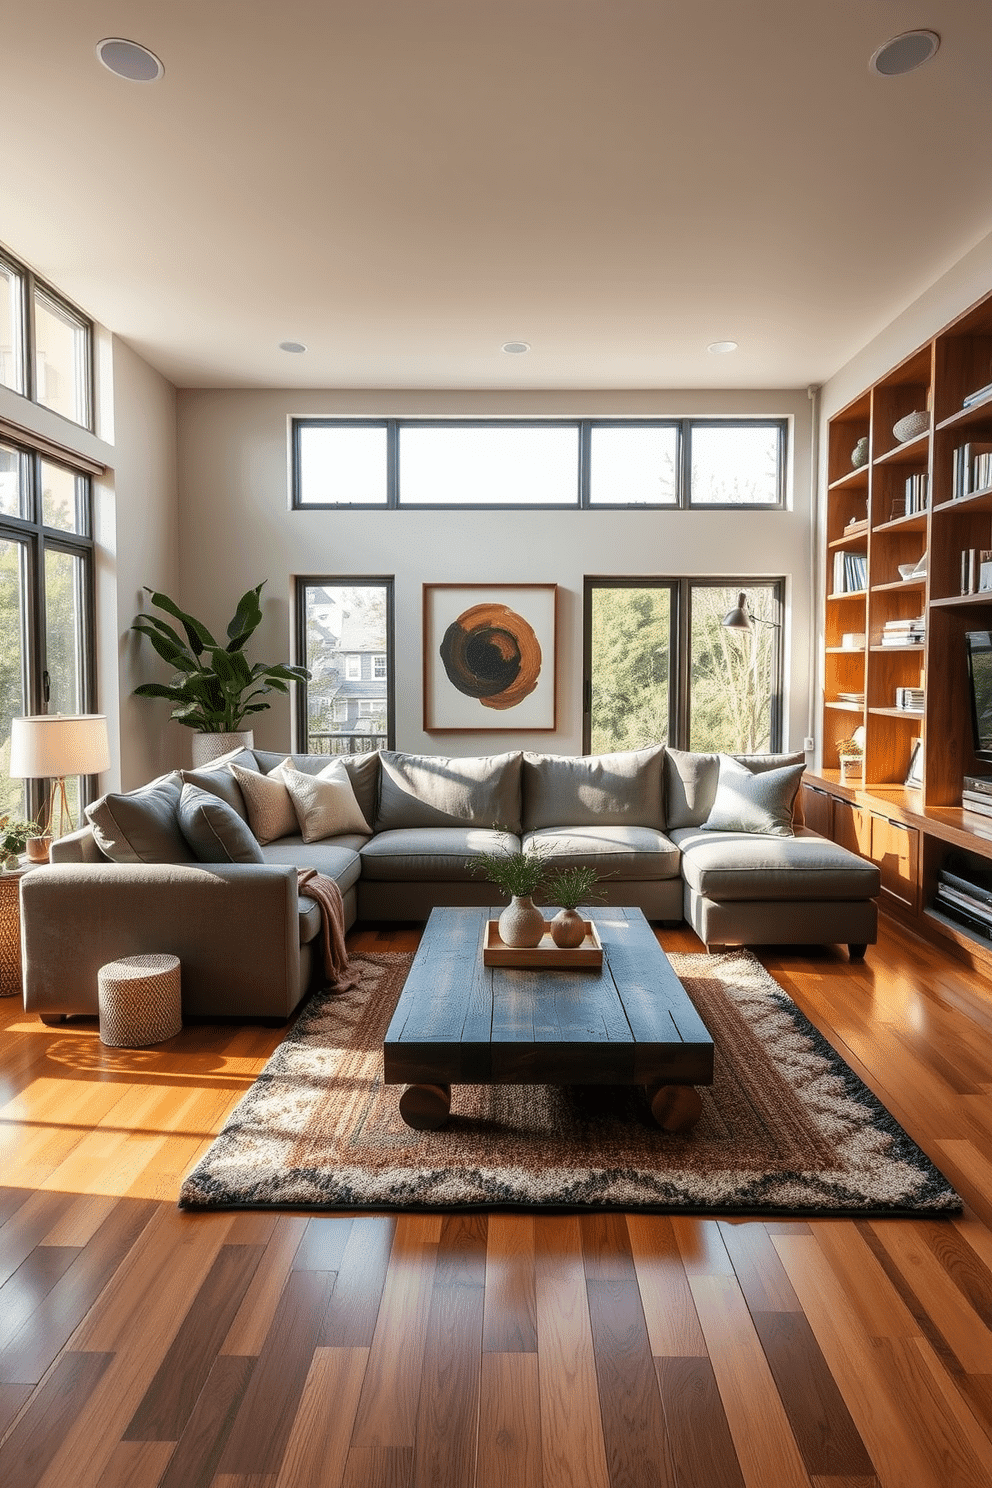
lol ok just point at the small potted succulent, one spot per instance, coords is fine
(570, 887)
(519, 875)
(14, 836)
(851, 753)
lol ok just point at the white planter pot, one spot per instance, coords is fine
(207, 747)
(521, 923)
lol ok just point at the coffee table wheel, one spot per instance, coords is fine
(425, 1107)
(676, 1108)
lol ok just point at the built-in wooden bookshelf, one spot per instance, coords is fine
(913, 510)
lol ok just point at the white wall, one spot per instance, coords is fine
(237, 529)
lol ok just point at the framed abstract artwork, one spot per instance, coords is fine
(490, 657)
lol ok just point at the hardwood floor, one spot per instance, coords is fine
(141, 1346)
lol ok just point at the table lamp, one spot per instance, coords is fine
(51, 746)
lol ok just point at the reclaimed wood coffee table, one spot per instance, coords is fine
(461, 1022)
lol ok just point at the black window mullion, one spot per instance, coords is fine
(393, 463)
(585, 462)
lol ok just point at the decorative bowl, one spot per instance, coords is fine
(907, 570)
(910, 426)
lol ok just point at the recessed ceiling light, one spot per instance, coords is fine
(129, 60)
(720, 348)
(904, 53)
(295, 346)
(516, 348)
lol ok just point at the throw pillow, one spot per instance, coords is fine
(594, 790)
(325, 804)
(141, 826)
(214, 830)
(748, 801)
(431, 790)
(271, 813)
(218, 779)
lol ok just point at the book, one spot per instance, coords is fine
(964, 917)
(978, 396)
(982, 805)
(947, 895)
(965, 885)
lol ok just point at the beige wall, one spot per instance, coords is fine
(237, 529)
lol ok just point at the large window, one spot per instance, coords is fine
(345, 632)
(46, 604)
(661, 667)
(577, 463)
(46, 347)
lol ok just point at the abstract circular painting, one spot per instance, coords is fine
(491, 653)
(494, 656)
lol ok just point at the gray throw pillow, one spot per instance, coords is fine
(754, 801)
(214, 830)
(602, 790)
(220, 782)
(691, 780)
(429, 790)
(141, 826)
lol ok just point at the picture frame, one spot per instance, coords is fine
(490, 657)
(914, 775)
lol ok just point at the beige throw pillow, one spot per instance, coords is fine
(271, 813)
(325, 803)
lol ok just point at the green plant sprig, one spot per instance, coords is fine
(515, 873)
(14, 834)
(570, 887)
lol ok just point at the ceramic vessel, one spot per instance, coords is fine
(911, 425)
(859, 454)
(521, 923)
(207, 747)
(37, 849)
(852, 768)
(568, 929)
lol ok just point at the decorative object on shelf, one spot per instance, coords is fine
(859, 454)
(907, 570)
(570, 887)
(853, 640)
(214, 689)
(909, 427)
(489, 656)
(517, 874)
(914, 775)
(14, 834)
(851, 753)
(57, 746)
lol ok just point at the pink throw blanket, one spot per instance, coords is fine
(325, 892)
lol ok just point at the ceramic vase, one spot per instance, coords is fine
(568, 929)
(521, 923)
(37, 849)
(859, 454)
(207, 747)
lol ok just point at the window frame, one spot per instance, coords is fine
(300, 584)
(30, 285)
(680, 587)
(583, 429)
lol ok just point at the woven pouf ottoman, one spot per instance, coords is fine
(139, 1001)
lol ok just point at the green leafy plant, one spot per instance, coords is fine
(851, 748)
(214, 689)
(515, 873)
(14, 834)
(570, 887)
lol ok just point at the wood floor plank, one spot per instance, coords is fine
(33, 1444)
(361, 1275)
(766, 1447)
(634, 1433)
(510, 1421)
(760, 1274)
(572, 1445)
(510, 1324)
(669, 1311)
(194, 1461)
(379, 1467)
(30, 1284)
(702, 1448)
(28, 1226)
(317, 1450)
(137, 1465)
(701, 1247)
(261, 1429)
(883, 1312)
(254, 1317)
(323, 1243)
(606, 1253)
(170, 1398)
(975, 1174)
(79, 1223)
(12, 1400)
(446, 1439)
(931, 1294)
(387, 1411)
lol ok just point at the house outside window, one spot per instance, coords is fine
(345, 633)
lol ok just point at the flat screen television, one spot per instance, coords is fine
(979, 647)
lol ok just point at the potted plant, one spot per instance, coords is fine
(851, 753)
(14, 834)
(570, 887)
(517, 874)
(214, 689)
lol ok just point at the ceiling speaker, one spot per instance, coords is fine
(904, 53)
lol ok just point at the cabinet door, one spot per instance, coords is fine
(852, 827)
(818, 810)
(896, 849)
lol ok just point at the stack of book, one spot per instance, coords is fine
(910, 697)
(851, 697)
(968, 904)
(976, 570)
(972, 468)
(850, 572)
(904, 632)
(977, 801)
(917, 493)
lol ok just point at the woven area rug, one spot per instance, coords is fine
(787, 1128)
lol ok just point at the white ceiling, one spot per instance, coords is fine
(404, 185)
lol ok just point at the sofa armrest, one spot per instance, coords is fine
(76, 847)
(234, 927)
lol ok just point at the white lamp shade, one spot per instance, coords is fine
(55, 745)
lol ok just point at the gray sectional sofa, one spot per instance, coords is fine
(204, 863)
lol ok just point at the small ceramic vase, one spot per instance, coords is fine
(521, 923)
(37, 849)
(568, 929)
(859, 454)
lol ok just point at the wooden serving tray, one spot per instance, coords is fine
(544, 954)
